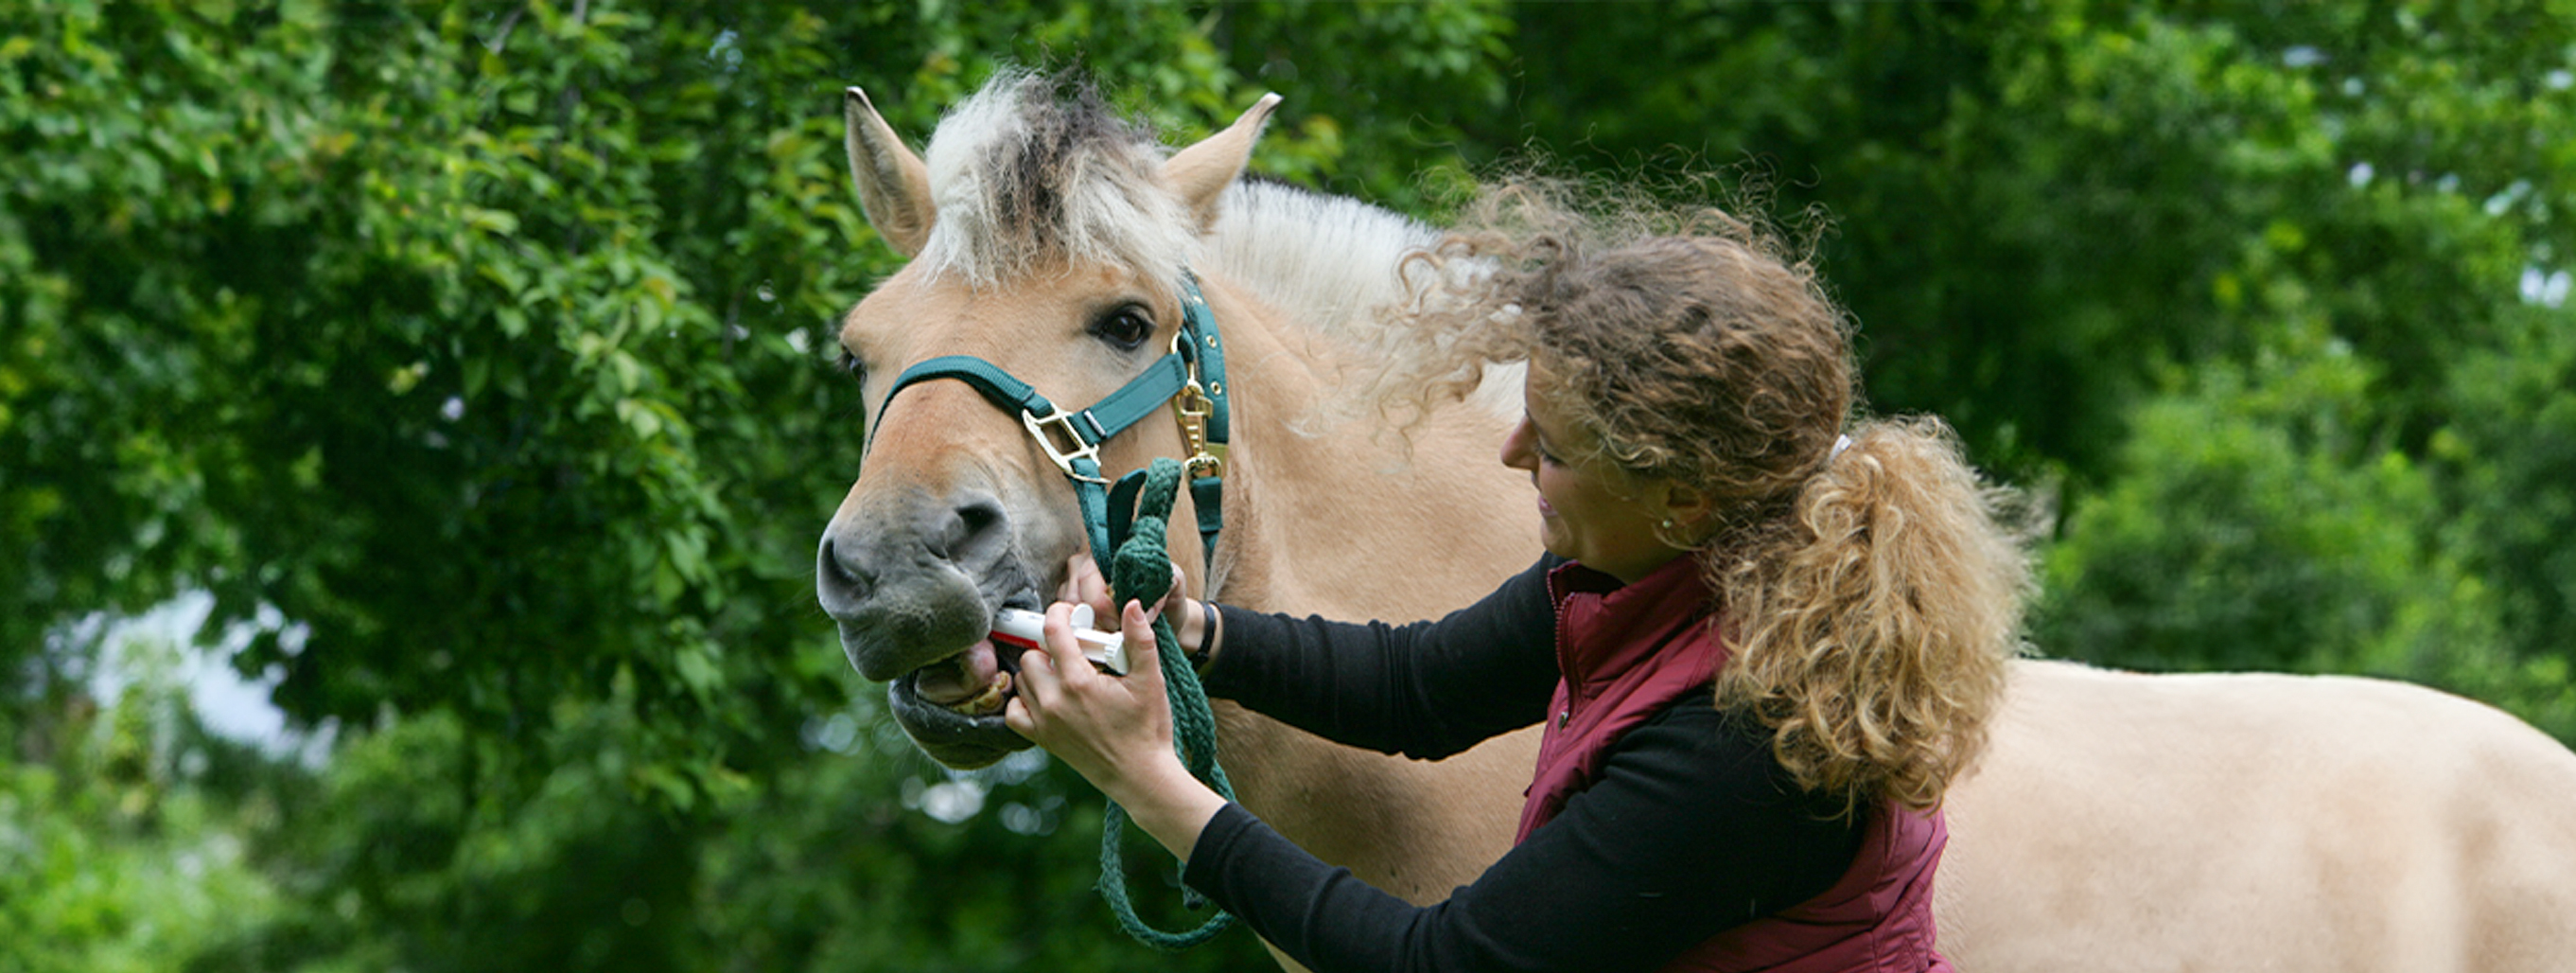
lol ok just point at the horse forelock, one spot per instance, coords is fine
(1036, 171)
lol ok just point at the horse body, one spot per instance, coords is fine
(2124, 822)
(2118, 822)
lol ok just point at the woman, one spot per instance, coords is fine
(1761, 647)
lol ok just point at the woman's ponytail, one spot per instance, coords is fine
(1871, 626)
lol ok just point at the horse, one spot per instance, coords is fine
(2117, 821)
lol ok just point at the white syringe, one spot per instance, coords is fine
(1026, 629)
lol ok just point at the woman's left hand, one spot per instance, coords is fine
(1113, 730)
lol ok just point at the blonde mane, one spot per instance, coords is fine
(1349, 270)
(1034, 171)
(1330, 258)
(1037, 170)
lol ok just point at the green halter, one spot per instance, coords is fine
(1191, 376)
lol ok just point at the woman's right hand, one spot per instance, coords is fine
(1115, 731)
(1084, 585)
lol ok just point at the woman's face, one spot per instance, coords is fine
(1588, 510)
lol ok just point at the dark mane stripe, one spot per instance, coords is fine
(1062, 119)
(1036, 169)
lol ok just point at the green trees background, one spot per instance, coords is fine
(469, 358)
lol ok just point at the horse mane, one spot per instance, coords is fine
(1036, 170)
(1331, 258)
(1343, 266)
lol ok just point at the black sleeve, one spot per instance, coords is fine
(1692, 830)
(1426, 690)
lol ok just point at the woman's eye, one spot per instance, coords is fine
(1126, 328)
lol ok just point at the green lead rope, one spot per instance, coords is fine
(1142, 571)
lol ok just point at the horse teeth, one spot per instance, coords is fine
(996, 694)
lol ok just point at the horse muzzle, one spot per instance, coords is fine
(915, 601)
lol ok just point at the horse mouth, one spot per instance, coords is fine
(976, 683)
(952, 708)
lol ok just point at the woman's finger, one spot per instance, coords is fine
(1037, 681)
(1144, 657)
(1083, 585)
(1180, 593)
(1061, 648)
(1071, 589)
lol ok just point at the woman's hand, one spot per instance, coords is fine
(1115, 731)
(1106, 727)
(1083, 585)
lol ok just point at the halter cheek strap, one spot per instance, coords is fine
(1191, 377)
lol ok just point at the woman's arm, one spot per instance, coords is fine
(1692, 830)
(1426, 690)
(1116, 731)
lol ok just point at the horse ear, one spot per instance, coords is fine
(894, 187)
(1201, 172)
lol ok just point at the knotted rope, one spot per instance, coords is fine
(1141, 570)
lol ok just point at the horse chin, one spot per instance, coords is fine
(957, 717)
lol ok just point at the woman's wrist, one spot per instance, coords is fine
(1201, 633)
(1193, 625)
(1168, 803)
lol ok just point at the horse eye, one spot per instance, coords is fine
(850, 363)
(1125, 328)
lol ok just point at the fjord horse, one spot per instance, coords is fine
(2118, 822)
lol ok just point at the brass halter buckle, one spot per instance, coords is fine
(1057, 427)
(1192, 407)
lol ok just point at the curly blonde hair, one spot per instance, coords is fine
(1870, 595)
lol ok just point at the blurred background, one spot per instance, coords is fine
(416, 419)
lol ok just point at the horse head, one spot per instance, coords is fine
(1050, 239)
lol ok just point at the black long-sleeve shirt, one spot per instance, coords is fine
(1691, 830)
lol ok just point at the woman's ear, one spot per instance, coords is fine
(1687, 508)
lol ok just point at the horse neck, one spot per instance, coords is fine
(1348, 524)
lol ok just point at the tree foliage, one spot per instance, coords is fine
(470, 354)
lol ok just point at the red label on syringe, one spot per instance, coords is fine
(1027, 630)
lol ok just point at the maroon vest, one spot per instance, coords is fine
(1629, 651)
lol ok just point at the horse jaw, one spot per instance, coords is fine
(893, 184)
(1200, 173)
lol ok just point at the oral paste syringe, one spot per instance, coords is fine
(1027, 630)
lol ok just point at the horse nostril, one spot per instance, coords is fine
(971, 532)
(982, 519)
(849, 579)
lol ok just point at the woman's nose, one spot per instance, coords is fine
(1516, 447)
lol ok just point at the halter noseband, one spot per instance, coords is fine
(1072, 439)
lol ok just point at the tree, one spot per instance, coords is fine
(482, 342)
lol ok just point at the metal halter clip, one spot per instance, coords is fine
(1058, 423)
(1192, 405)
